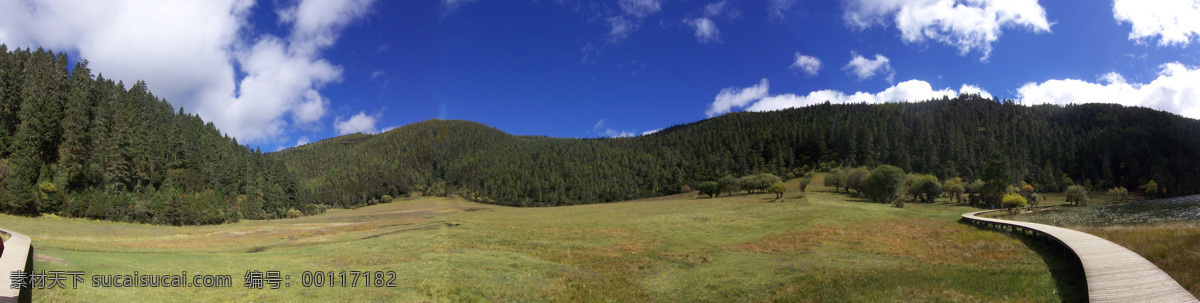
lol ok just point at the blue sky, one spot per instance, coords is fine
(276, 74)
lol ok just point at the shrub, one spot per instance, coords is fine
(294, 213)
(1118, 193)
(804, 184)
(1011, 201)
(386, 199)
(1077, 195)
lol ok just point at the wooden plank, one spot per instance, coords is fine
(16, 252)
(1113, 273)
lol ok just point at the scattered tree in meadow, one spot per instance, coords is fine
(710, 188)
(925, 188)
(954, 189)
(764, 180)
(1118, 193)
(855, 177)
(1077, 195)
(836, 178)
(884, 184)
(730, 184)
(804, 181)
(778, 189)
(1151, 188)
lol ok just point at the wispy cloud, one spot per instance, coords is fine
(732, 97)
(706, 30)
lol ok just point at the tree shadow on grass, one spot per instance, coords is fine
(1065, 267)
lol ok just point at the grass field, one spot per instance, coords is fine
(816, 246)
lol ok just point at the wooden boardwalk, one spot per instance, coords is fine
(15, 255)
(1113, 273)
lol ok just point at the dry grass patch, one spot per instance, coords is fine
(1174, 248)
(920, 239)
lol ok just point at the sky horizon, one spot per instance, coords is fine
(277, 74)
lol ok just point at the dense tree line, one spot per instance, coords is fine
(79, 145)
(1047, 146)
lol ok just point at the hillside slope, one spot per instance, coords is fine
(1096, 144)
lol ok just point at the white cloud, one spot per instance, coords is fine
(612, 133)
(732, 97)
(360, 123)
(706, 30)
(965, 24)
(451, 5)
(187, 52)
(714, 9)
(778, 7)
(974, 90)
(620, 28)
(640, 8)
(651, 131)
(1174, 22)
(302, 141)
(809, 64)
(599, 125)
(864, 68)
(911, 90)
(1176, 90)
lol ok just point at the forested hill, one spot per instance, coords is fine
(83, 146)
(1100, 145)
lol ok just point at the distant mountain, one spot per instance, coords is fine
(1100, 145)
(83, 146)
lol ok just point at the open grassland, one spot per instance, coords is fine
(818, 246)
(1165, 232)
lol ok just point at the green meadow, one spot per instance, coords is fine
(814, 246)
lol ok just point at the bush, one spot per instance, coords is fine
(386, 199)
(1011, 201)
(709, 188)
(1077, 195)
(294, 213)
(884, 184)
(804, 184)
